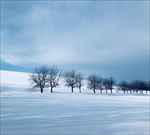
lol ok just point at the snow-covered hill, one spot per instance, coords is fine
(26, 111)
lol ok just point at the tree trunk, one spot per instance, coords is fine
(111, 90)
(51, 89)
(100, 91)
(94, 90)
(80, 89)
(146, 91)
(72, 89)
(130, 91)
(106, 90)
(41, 90)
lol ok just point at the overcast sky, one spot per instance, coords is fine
(102, 37)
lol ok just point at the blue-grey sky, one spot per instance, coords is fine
(109, 38)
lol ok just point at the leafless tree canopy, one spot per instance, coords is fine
(106, 84)
(79, 81)
(93, 82)
(123, 85)
(71, 79)
(111, 82)
(100, 84)
(53, 77)
(39, 77)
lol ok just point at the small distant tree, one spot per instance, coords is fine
(135, 86)
(138, 85)
(93, 81)
(79, 81)
(71, 79)
(148, 86)
(100, 84)
(142, 85)
(106, 84)
(39, 77)
(111, 82)
(123, 85)
(53, 77)
(129, 87)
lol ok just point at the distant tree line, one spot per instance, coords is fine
(135, 86)
(45, 76)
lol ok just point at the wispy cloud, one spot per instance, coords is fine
(100, 33)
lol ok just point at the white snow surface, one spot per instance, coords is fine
(25, 110)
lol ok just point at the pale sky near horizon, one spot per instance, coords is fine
(109, 38)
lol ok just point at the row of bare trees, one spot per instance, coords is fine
(134, 87)
(98, 83)
(46, 76)
(74, 79)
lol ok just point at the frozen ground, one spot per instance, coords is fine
(27, 111)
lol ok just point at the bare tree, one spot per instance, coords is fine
(79, 81)
(106, 84)
(53, 77)
(111, 83)
(100, 84)
(71, 79)
(93, 82)
(123, 85)
(39, 77)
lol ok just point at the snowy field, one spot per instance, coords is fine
(26, 111)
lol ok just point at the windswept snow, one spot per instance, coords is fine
(26, 111)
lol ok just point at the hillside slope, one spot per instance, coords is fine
(26, 111)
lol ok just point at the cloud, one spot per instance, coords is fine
(100, 33)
